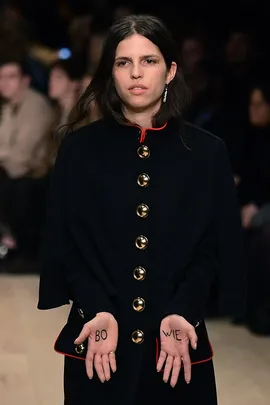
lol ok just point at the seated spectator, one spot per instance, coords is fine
(94, 113)
(25, 123)
(64, 87)
(254, 195)
(86, 80)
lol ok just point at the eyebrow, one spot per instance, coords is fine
(141, 57)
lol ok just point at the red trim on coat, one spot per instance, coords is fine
(195, 362)
(144, 130)
(65, 354)
(157, 354)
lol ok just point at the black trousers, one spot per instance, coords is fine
(22, 210)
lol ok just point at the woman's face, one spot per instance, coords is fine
(59, 84)
(259, 109)
(140, 73)
(192, 54)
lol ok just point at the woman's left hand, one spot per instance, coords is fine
(175, 334)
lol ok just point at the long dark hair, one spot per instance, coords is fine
(102, 91)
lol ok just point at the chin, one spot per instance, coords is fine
(139, 106)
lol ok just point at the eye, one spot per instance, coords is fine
(150, 61)
(121, 63)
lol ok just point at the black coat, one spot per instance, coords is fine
(192, 227)
(255, 167)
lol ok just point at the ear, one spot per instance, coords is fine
(171, 73)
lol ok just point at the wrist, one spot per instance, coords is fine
(105, 314)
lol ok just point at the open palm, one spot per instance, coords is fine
(102, 335)
(175, 335)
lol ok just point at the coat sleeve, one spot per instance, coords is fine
(65, 273)
(218, 255)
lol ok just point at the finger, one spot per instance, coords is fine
(176, 370)
(161, 360)
(99, 367)
(89, 364)
(106, 366)
(187, 367)
(193, 338)
(112, 360)
(85, 332)
(168, 368)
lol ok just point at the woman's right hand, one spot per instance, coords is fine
(102, 335)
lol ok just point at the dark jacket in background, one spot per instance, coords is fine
(255, 167)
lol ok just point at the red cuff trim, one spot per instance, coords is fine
(66, 354)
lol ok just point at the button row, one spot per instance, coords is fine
(141, 243)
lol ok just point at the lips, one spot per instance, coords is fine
(138, 87)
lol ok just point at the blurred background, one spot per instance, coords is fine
(49, 51)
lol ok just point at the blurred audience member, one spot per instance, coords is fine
(79, 32)
(86, 80)
(238, 72)
(26, 119)
(193, 52)
(94, 113)
(254, 187)
(16, 40)
(64, 86)
(254, 195)
(95, 48)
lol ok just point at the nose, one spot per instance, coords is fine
(136, 71)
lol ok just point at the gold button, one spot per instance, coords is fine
(139, 273)
(137, 336)
(143, 180)
(142, 210)
(138, 304)
(143, 151)
(79, 348)
(80, 311)
(141, 242)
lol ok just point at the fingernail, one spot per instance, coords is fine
(188, 382)
(195, 346)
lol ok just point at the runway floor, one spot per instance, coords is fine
(31, 372)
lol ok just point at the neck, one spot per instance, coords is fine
(18, 97)
(67, 103)
(142, 118)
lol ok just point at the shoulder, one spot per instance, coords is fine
(88, 134)
(201, 141)
(84, 139)
(36, 100)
